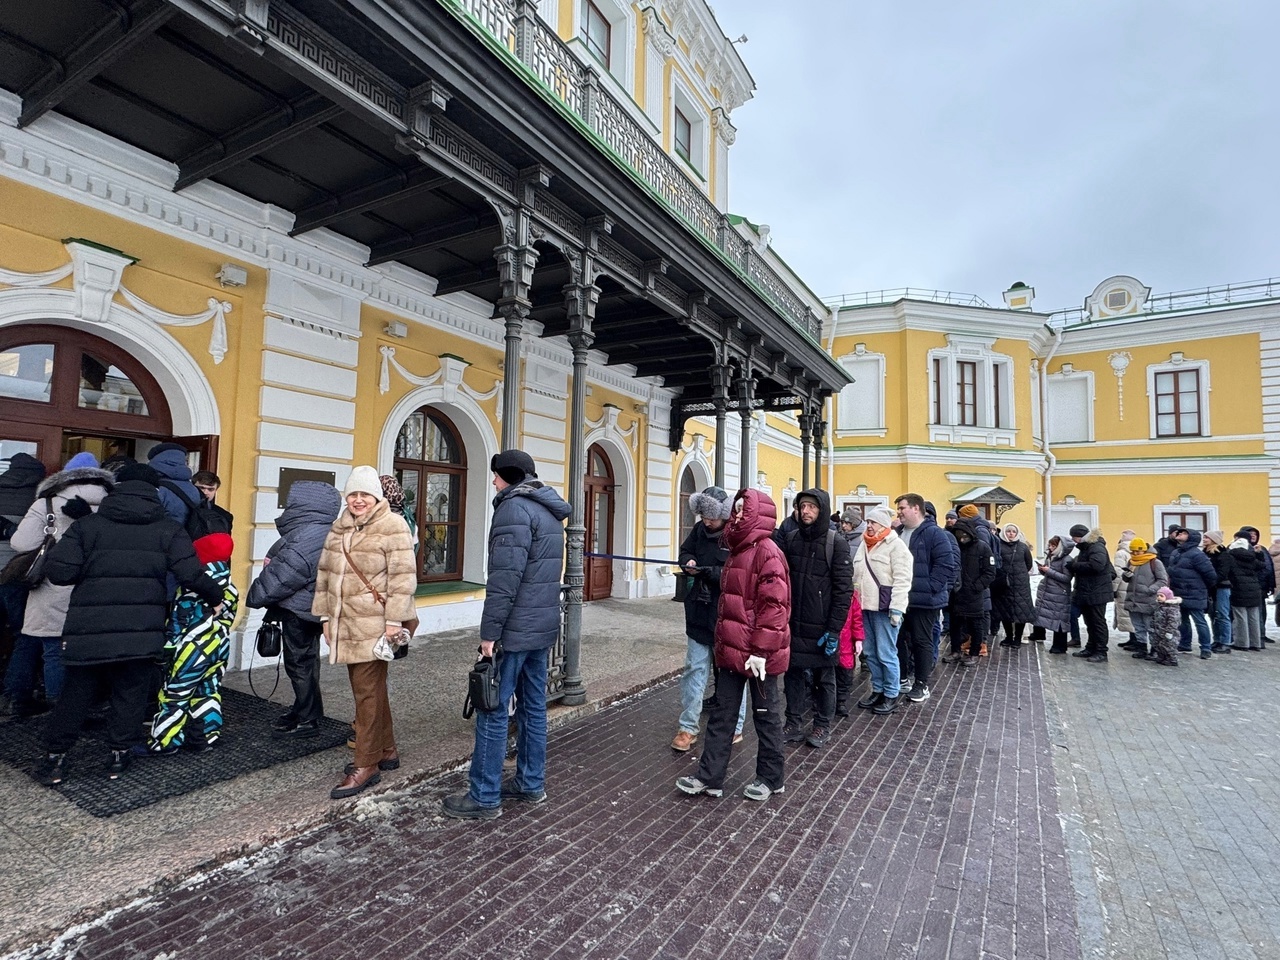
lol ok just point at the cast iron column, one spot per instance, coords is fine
(580, 302)
(720, 399)
(746, 391)
(819, 437)
(806, 434)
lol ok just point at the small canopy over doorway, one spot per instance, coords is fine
(63, 391)
(599, 489)
(992, 501)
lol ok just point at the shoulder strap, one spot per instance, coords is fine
(363, 579)
(175, 489)
(831, 546)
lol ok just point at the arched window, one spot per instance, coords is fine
(688, 487)
(63, 391)
(431, 465)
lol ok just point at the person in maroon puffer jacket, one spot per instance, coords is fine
(752, 645)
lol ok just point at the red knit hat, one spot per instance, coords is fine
(214, 547)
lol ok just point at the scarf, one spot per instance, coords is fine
(871, 540)
(1141, 559)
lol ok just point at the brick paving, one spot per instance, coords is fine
(1171, 796)
(932, 833)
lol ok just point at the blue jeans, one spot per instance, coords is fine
(881, 648)
(1202, 630)
(1141, 626)
(523, 674)
(20, 678)
(698, 662)
(1222, 616)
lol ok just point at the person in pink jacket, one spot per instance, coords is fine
(752, 647)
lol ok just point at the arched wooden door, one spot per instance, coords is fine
(63, 391)
(599, 521)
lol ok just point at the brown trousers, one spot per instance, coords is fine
(375, 739)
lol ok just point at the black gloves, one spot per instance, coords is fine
(77, 507)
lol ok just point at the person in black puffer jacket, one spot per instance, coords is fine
(287, 587)
(118, 559)
(1193, 579)
(17, 493)
(1247, 623)
(704, 552)
(821, 591)
(969, 616)
(1014, 606)
(1094, 588)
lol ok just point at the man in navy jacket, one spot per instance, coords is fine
(935, 567)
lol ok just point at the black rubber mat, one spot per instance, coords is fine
(246, 745)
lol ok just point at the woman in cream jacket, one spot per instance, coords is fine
(882, 566)
(368, 542)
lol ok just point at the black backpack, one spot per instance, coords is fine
(203, 518)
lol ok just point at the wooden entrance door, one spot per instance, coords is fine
(599, 521)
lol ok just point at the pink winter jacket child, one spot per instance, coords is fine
(850, 633)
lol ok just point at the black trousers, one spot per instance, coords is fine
(1094, 616)
(915, 643)
(798, 685)
(130, 684)
(1059, 642)
(766, 714)
(846, 679)
(1013, 630)
(301, 650)
(970, 625)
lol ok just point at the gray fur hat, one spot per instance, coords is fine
(712, 503)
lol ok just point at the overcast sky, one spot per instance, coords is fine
(963, 146)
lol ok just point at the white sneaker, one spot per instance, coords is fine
(693, 786)
(759, 790)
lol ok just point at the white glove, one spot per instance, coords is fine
(755, 665)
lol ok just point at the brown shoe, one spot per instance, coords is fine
(357, 780)
(389, 762)
(683, 741)
(983, 651)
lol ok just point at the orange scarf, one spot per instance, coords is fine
(1141, 559)
(871, 541)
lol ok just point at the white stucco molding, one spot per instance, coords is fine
(192, 406)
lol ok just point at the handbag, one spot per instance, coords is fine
(482, 685)
(270, 639)
(27, 568)
(396, 648)
(886, 593)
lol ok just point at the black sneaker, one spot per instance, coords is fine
(462, 807)
(871, 700)
(886, 706)
(1083, 653)
(299, 731)
(906, 683)
(1205, 655)
(919, 693)
(1139, 653)
(1096, 658)
(842, 708)
(793, 733)
(118, 763)
(512, 792)
(818, 738)
(53, 769)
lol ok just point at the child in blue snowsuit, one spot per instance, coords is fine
(200, 643)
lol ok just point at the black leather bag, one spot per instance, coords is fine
(482, 686)
(28, 567)
(270, 640)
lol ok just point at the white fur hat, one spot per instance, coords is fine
(363, 480)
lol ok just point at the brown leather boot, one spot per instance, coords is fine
(355, 781)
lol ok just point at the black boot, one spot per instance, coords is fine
(52, 769)
(118, 763)
(1139, 651)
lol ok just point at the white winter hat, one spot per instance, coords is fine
(364, 480)
(880, 515)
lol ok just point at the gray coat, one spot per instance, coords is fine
(47, 604)
(1053, 597)
(526, 559)
(289, 578)
(1143, 583)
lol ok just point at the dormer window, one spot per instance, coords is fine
(596, 32)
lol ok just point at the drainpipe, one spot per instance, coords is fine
(831, 414)
(1050, 460)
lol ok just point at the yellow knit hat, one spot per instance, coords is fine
(1137, 545)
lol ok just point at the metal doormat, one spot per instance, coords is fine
(246, 745)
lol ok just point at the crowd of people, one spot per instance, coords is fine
(782, 611)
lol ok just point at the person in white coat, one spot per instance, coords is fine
(882, 571)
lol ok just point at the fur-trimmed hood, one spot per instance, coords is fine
(1093, 536)
(54, 484)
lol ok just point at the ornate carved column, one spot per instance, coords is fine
(720, 374)
(806, 435)
(746, 394)
(819, 438)
(580, 304)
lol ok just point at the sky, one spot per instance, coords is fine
(965, 146)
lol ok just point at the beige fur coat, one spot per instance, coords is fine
(381, 547)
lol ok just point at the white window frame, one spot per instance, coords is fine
(1176, 364)
(988, 366)
(859, 364)
(1069, 373)
(1162, 510)
(622, 40)
(682, 99)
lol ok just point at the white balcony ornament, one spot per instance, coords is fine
(1119, 364)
